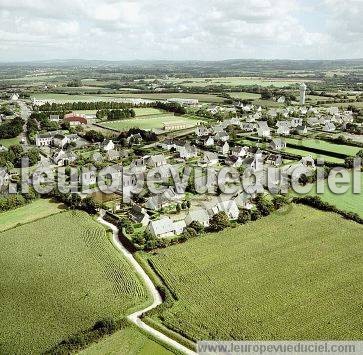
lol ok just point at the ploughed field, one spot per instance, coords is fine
(59, 276)
(293, 275)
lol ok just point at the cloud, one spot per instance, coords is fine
(174, 29)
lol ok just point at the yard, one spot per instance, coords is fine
(38, 209)
(72, 272)
(304, 152)
(149, 122)
(293, 267)
(8, 142)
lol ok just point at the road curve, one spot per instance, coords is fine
(135, 317)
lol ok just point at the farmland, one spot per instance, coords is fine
(149, 122)
(74, 276)
(323, 145)
(304, 152)
(38, 209)
(127, 341)
(245, 95)
(251, 281)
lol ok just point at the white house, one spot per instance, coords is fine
(107, 145)
(263, 129)
(164, 228)
(197, 215)
(44, 140)
(278, 144)
(4, 178)
(239, 151)
(223, 148)
(329, 127)
(210, 159)
(187, 151)
(296, 121)
(301, 129)
(229, 207)
(155, 161)
(201, 131)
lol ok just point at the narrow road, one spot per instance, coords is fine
(135, 317)
(24, 113)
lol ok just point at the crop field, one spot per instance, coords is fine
(38, 209)
(127, 341)
(74, 275)
(149, 122)
(349, 201)
(326, 146)
(248, 282)
(304, 152)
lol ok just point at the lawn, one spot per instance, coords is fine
(149, 122)
(326, 146)
(38, 209)
(59, 276)
(145, 111)
(128, 341)
(8, 142)
(292, 275)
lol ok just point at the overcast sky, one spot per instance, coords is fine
(180, 29)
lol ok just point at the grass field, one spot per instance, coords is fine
(129, 341)
(145, 111)
(245, 95)
(291, 275)
(119, 97)
(349, 201)
(304, 152)
(149, 122)
(59, 275)
(8, 142)
(234, 81)
(38, 209)
(326, 146)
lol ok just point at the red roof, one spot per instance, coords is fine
(75, 118)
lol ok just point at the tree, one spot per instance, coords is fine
(279, 201)
(178, 208)
(90, 205)
(244, 216)
(255, 215)
(263, 205)
(197, 226)
(219, 222)
(74, 201)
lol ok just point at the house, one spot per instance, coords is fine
(4, 178)
(187, 151)
(229, 207)
(88, 177)
(239, 151)
(201, 131)
(54, 118)
(113, 155)
(3, 148)
(263, 130)
(44, 139)
(329, 127)
(248, 126)
(155, 161)
(301, 129)
(281, 100)
(313, 121)
(308, 161)
(139, 165)
(62, 158)
(165, 227)
(139, 215)
(210, 159)
(274, 159)
(255, 162)
(209, 142)
(283, 131)
(59, 140)
(14, 97)
(333, 110)
(243, 200)
(75, 119)
(134, 139)
(296, 121)
(223, 148)
(221, 136)
(278, 144)
(197, 215)
(234, 161)
(107, 145)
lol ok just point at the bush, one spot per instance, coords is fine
(255, 215)
(244, 216)
(197, 226)
(279, 201)
(219, 222)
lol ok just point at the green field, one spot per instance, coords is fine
(233, 81)
(291, 275)
(119, 97)
(38, 209)
(305, 152)
(60, 275)
(149, 122)
(326, 146)
(8, 142)
(245, 95)
(145, 111)
(349, 201)
(129, 341)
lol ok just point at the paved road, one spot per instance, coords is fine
(135, 317)
(24, 113)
